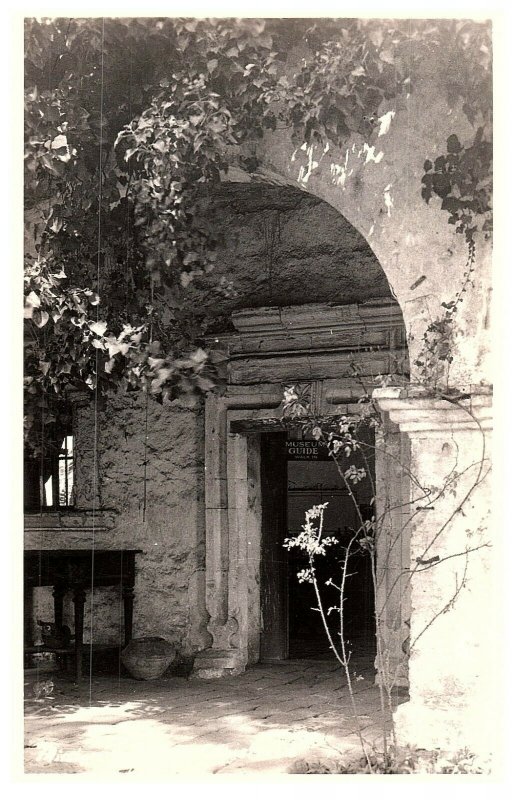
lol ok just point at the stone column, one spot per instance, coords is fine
(220, 658)
(393, 554)
(449, 578)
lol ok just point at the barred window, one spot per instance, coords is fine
(49, 476)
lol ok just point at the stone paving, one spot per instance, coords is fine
(264, 721)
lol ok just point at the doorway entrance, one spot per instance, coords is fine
(297, 474)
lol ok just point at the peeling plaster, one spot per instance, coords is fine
(385, 122)
(369, 152)
(387, 198)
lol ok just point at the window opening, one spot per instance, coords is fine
(59, 483)
(49, 477)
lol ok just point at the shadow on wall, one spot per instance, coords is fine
(282, 246)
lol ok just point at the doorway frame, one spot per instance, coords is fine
(251, 405)
(234, 520)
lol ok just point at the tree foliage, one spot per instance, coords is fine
(129, 122)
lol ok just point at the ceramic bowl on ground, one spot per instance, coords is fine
(147, 659)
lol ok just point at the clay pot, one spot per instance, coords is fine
(147, 659)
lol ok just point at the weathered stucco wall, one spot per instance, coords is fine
(280, 246)
(160, 513)
(452, 615)
(159, 510)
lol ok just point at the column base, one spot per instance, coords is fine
(211, 664)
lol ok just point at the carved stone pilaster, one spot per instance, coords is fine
(232, 528)
(392, 467)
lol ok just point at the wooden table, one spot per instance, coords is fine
(76, 571)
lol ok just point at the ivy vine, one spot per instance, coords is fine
(462, 179)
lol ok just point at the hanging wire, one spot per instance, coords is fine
(145, 452)
(145, 447)
(121, 607)
(41, 471)
(95, 429)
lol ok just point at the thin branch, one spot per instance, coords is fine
(445, 608)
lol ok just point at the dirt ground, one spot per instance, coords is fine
(265, 721)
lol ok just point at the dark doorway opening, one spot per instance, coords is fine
(298, 474)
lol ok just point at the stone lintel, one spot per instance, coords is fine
(292, 366)
(249, 402)
(271, 345)
(318, 317)
(73, 520)
(244, 426)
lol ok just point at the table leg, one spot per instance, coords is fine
(79, 599)
(28, 613)
(128, 595)
(58, 594)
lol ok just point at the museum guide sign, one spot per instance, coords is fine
(306, 450)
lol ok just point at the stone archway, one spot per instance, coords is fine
(376, 186)
(311, 343)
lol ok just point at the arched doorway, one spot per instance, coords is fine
(341, 330)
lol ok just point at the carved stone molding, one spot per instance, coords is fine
(233, 517)
(428, 417)
(320, 317)
(314, 342)
(310, 347)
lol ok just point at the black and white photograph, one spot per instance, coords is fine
(258, 536)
